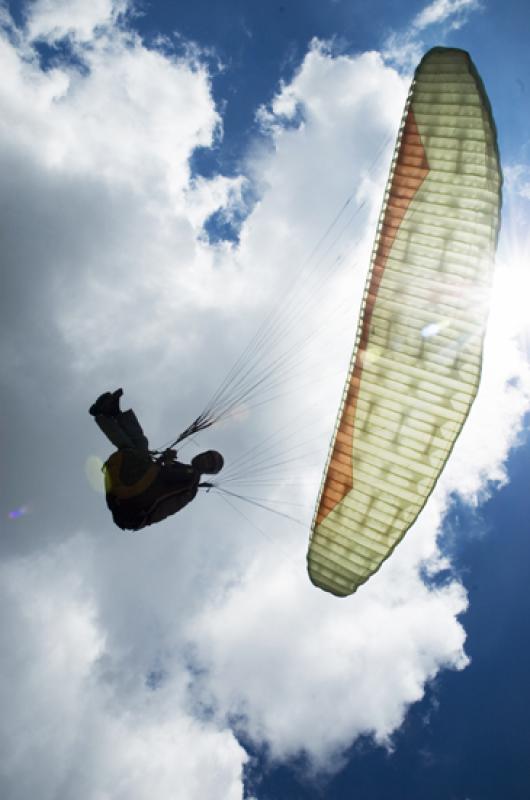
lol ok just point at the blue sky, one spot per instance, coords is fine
(261, 45)
(167, 168)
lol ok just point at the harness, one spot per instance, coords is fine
(112, 470)
(141, 499)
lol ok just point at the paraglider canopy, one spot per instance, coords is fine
(416, 364)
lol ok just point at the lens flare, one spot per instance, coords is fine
(16, 513)
(430, 330)
(93, 466)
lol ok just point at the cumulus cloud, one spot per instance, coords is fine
(102, 222)
(305, 674)
(131, 662)
(53, 20)
(69, 727)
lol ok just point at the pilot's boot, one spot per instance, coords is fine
(107, 404)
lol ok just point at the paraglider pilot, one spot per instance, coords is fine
(140, 488)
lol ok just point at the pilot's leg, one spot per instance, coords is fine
(132, 428)
(114, 432)
(120, 427)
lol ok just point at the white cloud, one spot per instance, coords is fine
(517, 180)
(405, 48)
(110, 282)
(101, 223)
(113, 144)
(56, 19)
(117, 122)
(443, 10)
(308, 673)
(71, 729)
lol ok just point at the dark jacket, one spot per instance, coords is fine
(141, 491)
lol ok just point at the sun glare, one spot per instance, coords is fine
(510, 296)
(510, 300)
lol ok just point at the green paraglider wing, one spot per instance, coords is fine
(416, 364)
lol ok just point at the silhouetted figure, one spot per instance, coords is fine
(140, 488)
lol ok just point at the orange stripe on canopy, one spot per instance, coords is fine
(409, 174)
